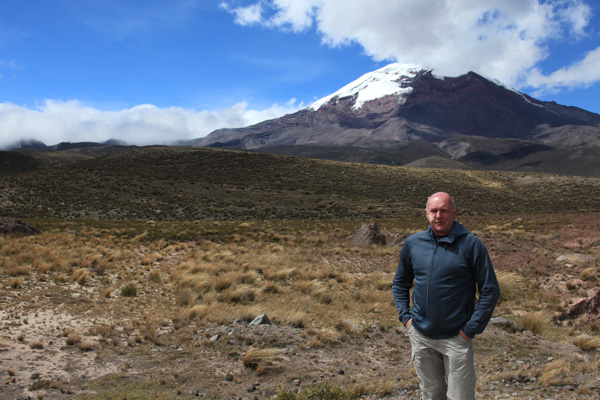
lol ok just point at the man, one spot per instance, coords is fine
(447, 264)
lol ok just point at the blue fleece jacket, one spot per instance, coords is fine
(446, 272)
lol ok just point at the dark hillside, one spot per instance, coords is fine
(178, 183)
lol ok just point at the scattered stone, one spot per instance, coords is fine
(35, 375)
(261, 320)
(506, 324)
(367, 235)
(576, 258)
(229, 377)
(214, 338)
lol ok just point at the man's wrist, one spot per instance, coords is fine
(464, 335)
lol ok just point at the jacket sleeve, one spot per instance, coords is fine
(402, 283)
(488, 287)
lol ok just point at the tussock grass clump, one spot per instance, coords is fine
(324, 391)
(243, 294)
(37, 345)
(16, 283)
(255, 357)
(185, 296)
(16, 270)
(537, 321)
(199, 311)
(81, 276)
(86, 345)
(323, 295)
(589, 274)
(73, 339)
(349, 327)
(154, 276)
(586, 342)
(151, 258)
(557, 373)
(294, 318)
(511, 285)
(380, 388)
(323, 337)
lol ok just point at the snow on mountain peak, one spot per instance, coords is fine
(374, 85)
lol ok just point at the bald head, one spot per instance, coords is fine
(441, 213)
(444, 196)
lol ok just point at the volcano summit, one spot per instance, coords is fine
(399, 114)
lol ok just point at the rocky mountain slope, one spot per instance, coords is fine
(390, 109)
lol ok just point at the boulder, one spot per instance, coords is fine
(589, 306)
(576, 259)
(367, 235)
(262, 319)
(11, 225)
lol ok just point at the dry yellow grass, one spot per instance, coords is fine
(255, 356)
(511, 285)
(589, 274)
(310, 284)
(537, 321)
(586, 342)
(557, 373)
(80, 276)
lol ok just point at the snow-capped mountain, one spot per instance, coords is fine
(393, 79)
(399, 114)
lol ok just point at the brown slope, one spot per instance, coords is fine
(435, 110)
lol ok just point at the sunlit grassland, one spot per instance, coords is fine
(303, 274)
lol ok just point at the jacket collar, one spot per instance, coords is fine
(457, 231)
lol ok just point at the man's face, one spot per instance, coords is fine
(441, 213)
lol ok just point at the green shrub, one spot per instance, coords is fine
(129, 290)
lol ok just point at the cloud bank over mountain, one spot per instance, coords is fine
(53, 122)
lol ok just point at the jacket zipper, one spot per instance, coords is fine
(435, 244)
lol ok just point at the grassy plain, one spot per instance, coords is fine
(160, 305)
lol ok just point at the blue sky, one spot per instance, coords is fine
(157, 71)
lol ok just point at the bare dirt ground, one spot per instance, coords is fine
(65, 340)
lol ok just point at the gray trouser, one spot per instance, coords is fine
(445, 366)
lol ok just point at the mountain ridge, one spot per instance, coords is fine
(418, 106)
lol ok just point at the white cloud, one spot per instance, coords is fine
(54, 121)
(503, 39)
(290, 14)
(246, 16)
(580, 74)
